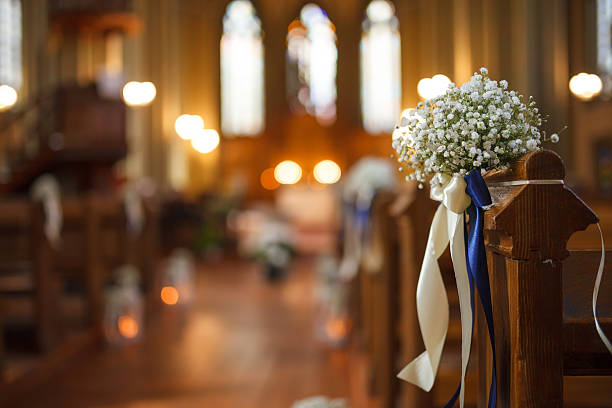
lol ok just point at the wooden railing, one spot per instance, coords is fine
(72, 127)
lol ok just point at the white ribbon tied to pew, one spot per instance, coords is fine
(431, 299)
(46, 189)
(600, 331)
(134, 211)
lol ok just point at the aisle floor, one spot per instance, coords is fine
(244, 343)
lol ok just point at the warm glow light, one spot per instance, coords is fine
(206, 140)
(337, 328)
(585, 86)
(188, 126)
(429, 88)
(169, 295)
(379, 10)
(127, 326)
(287, 172)
(327, 172)
(139, 93)
(8, 97)
(267, 179)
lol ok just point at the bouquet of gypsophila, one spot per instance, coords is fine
(480, 125)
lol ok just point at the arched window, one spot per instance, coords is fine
(242, 71)
(381, 87)
(312, 58)
(604, 40)
(10, 43)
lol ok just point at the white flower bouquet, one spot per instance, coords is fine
(479, 126)
(366, 177)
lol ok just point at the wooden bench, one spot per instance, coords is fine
(379, 300)
(26, 271)
(541, 292)
(400, 222)
(63, 288)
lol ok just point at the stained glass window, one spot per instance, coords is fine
(312, 58)
(10, 43)
(380, 68)
(604, 37)
(242, 71)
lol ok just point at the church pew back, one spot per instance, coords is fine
(526, 233)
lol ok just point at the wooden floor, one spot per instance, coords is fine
(245, 343)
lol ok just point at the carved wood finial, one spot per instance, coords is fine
(534, 221)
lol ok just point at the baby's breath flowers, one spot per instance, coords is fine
(480, 125)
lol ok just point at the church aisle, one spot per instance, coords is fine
(245, 343)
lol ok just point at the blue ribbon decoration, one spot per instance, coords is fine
(477, 260)
(478, 272)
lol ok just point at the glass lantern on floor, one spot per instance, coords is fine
(179, 279)
(332, 294)
(124, 308)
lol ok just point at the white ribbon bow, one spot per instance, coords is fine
(46, 189)
(431, 298)
(134, 211)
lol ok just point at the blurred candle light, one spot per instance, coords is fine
(127, 326)
(429, 88)
(139, 93)
(188, 126)
(327, 172)
(287, 172)
(267, 179)
(8, 97)
(206, 140)
(169, 295)
(585, 86)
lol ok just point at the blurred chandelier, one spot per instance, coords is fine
(139, 93)
(585, 86)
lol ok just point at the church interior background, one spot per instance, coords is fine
(182, 189)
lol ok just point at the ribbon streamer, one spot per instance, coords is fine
(600, 331)
(46, 189)
(477, 261)
(432, 301)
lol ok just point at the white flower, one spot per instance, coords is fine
(554, 138)
(480, 125)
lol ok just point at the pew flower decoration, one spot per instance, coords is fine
(480, 125)
(366, 178)
(452, 140)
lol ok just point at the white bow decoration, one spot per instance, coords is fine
(432, 301)
(46, 189)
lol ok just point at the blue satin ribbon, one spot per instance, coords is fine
(478, 272)
(477, 260)
(362, 218)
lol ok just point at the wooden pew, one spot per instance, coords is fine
(541, 293)
(379, 301)
(64, 286)
(97, 242)
(26, 271)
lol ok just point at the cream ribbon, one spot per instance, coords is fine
(134, 211)
(602, 260)
(431, 298)
(46, 189)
